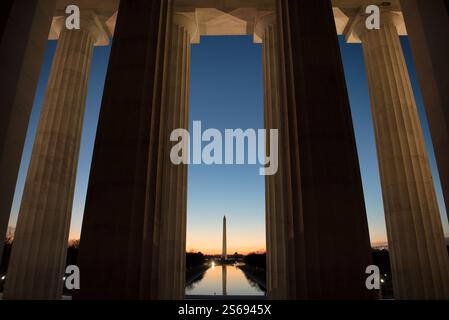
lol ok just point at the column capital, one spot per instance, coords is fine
(263, 22)
(189, 25)
(89, 22)
(356, 27)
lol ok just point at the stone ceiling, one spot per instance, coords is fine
(225, 17)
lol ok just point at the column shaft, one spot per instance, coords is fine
(23, 38)
(38, 257)
(281, 276)
(419, 259)
(136, 197)
(172, 206)
(428, 25)
(327, 238)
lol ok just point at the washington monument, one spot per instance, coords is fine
(224, 255)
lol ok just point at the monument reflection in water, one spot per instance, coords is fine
(224, 280)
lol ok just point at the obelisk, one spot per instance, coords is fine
(224, 255)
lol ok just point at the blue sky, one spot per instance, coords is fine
(354, 65)
(227, 92)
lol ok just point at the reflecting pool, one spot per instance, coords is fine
(226, 280)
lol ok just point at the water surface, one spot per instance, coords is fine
(224, 280)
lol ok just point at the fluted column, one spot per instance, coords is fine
(323, 227)
(428, 26)
(280, 265)
(23, 38)
(419, 259)
(172, 207)
(40, 243)
(136, 197)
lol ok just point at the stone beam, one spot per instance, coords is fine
(225, 17)
(224, 5)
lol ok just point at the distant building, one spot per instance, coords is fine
(224, 255)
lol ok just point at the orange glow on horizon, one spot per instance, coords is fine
(246, 244)
(217, 252)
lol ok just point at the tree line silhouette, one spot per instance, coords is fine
(196, 261)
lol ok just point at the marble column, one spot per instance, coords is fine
(172, 207)
(23, 39)
(38, 258)
(280, 267)
(136, 197)
(428, 28)
(419, 259)
(324, 230)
